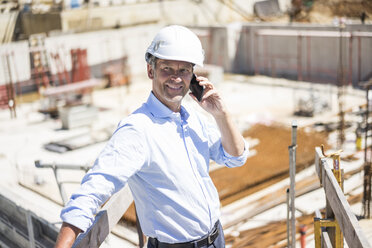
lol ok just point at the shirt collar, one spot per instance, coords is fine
(159, 110)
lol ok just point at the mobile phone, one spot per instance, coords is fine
(196, 89)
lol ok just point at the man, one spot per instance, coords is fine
(162, 151)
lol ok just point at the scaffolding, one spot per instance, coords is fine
(367, 155)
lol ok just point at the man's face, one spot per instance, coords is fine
(171, 80)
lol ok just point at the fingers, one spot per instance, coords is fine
(211, 100)
(209, 89)
(205, 82)
(193, 97)
(208, 93)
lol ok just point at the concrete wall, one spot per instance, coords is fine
(109, 17)
(238, 48)
(102, 48)
(309, 55)
(185, 12)
(33, 23)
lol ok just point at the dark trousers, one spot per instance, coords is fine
(218, 243)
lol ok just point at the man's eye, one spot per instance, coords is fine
(184, 71)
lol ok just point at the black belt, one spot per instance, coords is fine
(205, 241)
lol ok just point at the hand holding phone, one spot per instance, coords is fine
(196, 89)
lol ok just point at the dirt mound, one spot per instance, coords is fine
(324, 11)
(270, 164)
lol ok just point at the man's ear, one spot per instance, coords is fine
(150, 71)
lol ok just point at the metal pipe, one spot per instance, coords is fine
(292, 175)
(62, 191)
(292, 198)
(294, 133)
(351, 60)
(256, 58)
(359, 59)
(299, 57)
(303, 230)
(308, 63)
(55, 168)
(367, 126)
(10, 91)
(39, 164)
(266, 59)
(287, 194)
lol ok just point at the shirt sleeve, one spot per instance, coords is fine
(231, 161)
(123, 156)
(216, 150)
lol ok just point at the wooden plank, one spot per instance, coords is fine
(105, 220)
(241, 212)
(74, 87)
(348, 222)
(318, 168)
(326, 241)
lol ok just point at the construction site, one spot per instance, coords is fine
(295, 75)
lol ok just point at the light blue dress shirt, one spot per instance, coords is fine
(164, 157)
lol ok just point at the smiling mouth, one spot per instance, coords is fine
(174, 87)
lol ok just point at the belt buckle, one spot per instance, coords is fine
(212, 235)
(210, 239)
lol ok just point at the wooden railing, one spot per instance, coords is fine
(105, 220)
(337, 203)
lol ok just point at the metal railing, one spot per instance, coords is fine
(55, 167)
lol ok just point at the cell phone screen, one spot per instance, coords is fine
(196, 89)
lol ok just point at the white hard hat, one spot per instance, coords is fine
(176, 43)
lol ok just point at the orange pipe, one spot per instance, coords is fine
(303, 230)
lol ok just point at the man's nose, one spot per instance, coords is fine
(176, 77)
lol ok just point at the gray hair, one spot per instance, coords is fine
(152, 60)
